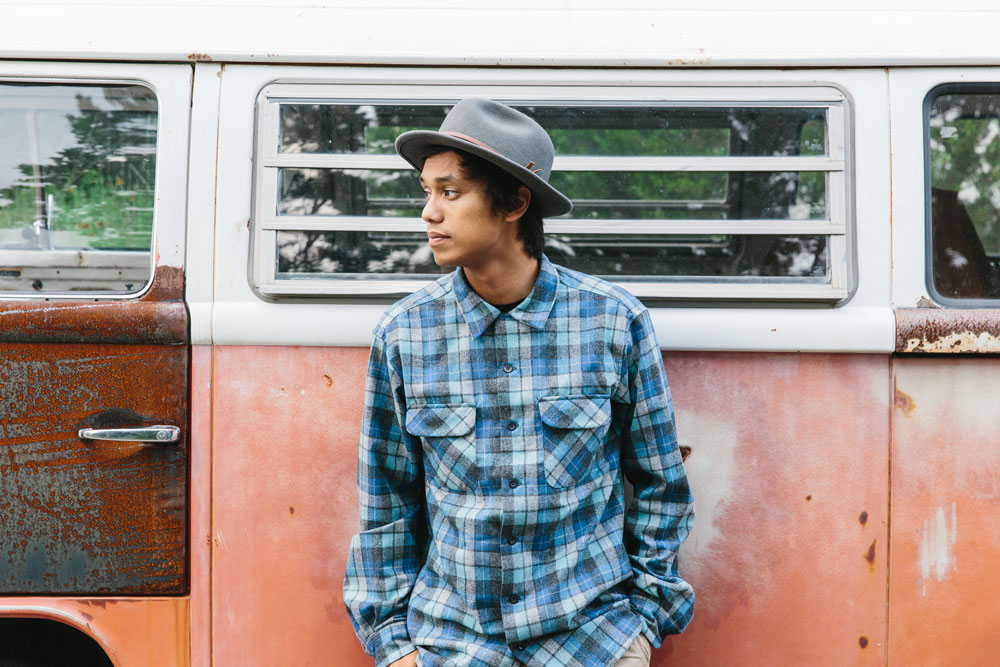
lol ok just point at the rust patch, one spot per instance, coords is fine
(870, 554)
(200, 57)
(863, 641)
(329, 381)
(863, 518)
(685, 452)
(158, 317)
(904, 402)
(91, 517)
(947, 331)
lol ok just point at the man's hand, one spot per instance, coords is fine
(408, 660)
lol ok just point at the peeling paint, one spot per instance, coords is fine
(963, 341)
(940, 534)
(717, 442)
(947, 331)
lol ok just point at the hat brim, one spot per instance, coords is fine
(413, 146)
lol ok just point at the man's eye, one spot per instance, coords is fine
(451, 193)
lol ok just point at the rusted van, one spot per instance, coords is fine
(200, 225)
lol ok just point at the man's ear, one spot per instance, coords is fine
(523, 201)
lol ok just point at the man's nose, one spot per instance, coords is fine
(431, 212)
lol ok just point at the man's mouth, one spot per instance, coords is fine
(434, 238)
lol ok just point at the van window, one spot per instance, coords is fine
(963, 152)
(77, 176)
(706, 199)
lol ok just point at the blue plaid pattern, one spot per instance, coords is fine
(493, 522)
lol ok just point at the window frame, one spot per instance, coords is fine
(838, 226)
(971, 88)
(162, 128)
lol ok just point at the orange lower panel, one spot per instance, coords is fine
(134, 632)
(789, 470)
(286, 424)
(945, 512)
(789, 465)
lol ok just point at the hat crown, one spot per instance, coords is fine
(503, 130)
(500, 135)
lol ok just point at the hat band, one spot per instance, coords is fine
(472, 140)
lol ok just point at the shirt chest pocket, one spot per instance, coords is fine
(573, 429)
(448, 433)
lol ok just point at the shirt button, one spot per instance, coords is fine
(514, 599)
(518, 647)
(508, 368)
(511, 426)
(513, 483)
(512, 540)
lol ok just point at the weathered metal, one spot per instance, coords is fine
(158, 317)
(86, 516)
(948, 331)
(788, 463)
(151, 632)
(945, 526)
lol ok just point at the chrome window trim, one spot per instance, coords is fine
(838, 225)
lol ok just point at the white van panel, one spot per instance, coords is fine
(863, 324)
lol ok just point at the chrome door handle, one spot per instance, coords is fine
(161, 434)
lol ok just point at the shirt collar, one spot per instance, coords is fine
(533, 311)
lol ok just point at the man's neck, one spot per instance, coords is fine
(504, 282)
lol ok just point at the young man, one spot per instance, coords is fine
(505, 405)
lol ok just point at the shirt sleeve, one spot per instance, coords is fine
(662, 509)
(387, 554)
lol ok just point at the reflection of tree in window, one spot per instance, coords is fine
(594, 130)
(964, 149)
(94, 185)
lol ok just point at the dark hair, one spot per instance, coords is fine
(502, 193)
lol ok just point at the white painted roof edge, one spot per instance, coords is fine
(544, 33)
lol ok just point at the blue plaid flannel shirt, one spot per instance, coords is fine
(493, 522)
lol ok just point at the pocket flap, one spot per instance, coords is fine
(441, 419)
(575, 411)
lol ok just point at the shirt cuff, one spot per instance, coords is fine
(648, 612)
(390, 643)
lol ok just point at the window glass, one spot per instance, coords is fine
(575, 130)
(964, 153)
(695, 192)
(636, 259)
(76, 187)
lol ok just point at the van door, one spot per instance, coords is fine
(94, 348)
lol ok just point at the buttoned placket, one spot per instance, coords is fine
(507, 429)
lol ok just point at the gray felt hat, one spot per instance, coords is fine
(500, 135)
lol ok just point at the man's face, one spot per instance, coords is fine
(462, 228)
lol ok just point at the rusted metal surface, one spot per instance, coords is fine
(91, 516)
(788, 462)
(948, 331)
(151, 632)
(158, 317)
(789, 468)
(285, 504)
(943, 609)
(200, 503)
